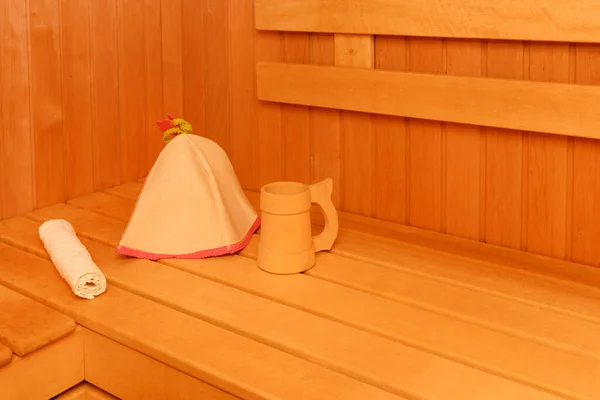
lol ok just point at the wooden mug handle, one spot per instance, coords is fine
(320, 193)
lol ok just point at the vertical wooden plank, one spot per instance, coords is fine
(132, 88)
(504, 157)
(218, 89)
(46, 102)
(463, 150)
(194, 60)
(172, 42)
(325, 124)
(425, 154)
(357, 135)
(295, 119)
(154, 83)
(16, 144)
(586, 159)
(390, 141)
(106, 118)
(3, 23)
(270, 149)
(77, 96)
(244, 147)
(547, 163)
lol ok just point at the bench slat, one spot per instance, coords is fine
(394, 320)
(532, 291)
(422, 239)
(209, 353)
(364, 356)
(27, 326)
(46, 372)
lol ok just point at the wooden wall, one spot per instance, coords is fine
(84, 80)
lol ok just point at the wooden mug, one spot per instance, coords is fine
(286, 244)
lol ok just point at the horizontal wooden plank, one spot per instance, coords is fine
(541, 286)
(209, 353)
(553, 284)
(396, 320)
(45, 373)
(259, 318)
(129, 374)
(545, 20)
(27, 326)
(501, 257)
(556, 108)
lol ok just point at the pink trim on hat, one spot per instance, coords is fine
(219, 251)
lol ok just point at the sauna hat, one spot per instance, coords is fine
(191, 205)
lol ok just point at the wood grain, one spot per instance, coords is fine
(546, 219)
(131, 88)
(106, 116)
(335, 304)
(244, 147)
(551, 20)
(269, 137)
(27, 325)
(211, 354)
(217, 38)
(463, 188)
(45, 373)
(398, 319)
(154, 105)
(172, 55)
(426, 139)
(325, 126)
(295, 123)
(391, 142)
(107, 362)
(544, 107)
(504, 154)
(47, 103)
(77, 96)
(196, 60)
(16, 130)
(354, 51)
(586, 180)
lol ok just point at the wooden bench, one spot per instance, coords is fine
(390, 312)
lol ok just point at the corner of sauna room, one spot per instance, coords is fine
(299, 199)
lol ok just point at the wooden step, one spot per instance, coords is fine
(5, 355)
(46, 372)
(27, 326)
(492, 351)
(209, 353)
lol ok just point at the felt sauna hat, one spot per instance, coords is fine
(191, 205)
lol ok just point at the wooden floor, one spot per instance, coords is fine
(390, 312)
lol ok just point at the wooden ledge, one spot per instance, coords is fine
(46, 372)
(5, 355)
(27, 326)
(359, 324)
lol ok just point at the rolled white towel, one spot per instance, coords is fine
(72, 260)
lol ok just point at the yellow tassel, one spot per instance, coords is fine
(181, 127)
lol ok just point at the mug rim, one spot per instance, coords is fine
(285, 188)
